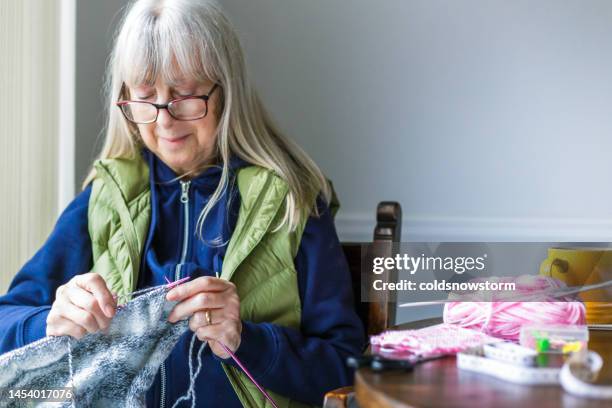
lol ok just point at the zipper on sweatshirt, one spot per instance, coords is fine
(177, 274)
(185, 201)
(162, 398)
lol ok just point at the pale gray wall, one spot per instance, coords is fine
(95, 20)
(485, 119)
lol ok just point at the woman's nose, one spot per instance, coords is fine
(164, 119)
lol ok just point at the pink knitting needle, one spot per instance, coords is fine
(171, 284)
(259, 387)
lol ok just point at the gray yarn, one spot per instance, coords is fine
(109, 369)
(190, 394)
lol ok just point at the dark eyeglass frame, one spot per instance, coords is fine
(168, 106)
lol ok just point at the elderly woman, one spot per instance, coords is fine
(195, 180)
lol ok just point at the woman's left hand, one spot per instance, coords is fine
(213, 308)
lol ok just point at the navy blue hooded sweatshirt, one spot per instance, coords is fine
(302, 364)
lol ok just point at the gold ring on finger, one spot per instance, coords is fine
(208, 317)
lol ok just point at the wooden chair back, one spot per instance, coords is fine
(379, 315)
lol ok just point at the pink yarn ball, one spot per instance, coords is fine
(505, 319)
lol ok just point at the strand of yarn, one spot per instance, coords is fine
(190, 394)
(505, 319)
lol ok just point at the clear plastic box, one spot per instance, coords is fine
(554, 338)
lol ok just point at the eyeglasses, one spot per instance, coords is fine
(187, 108)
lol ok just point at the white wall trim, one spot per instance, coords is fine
(359, 227)
(67, 79)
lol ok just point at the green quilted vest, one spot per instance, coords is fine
(258, 261)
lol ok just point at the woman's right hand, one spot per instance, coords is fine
(83, 305)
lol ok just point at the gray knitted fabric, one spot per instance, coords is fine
(107, 369)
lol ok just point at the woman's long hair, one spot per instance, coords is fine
(174, 39)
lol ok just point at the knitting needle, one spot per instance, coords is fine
(554, 293)
(170, 284)
(244, 369)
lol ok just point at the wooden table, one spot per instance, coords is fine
(439, 383)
